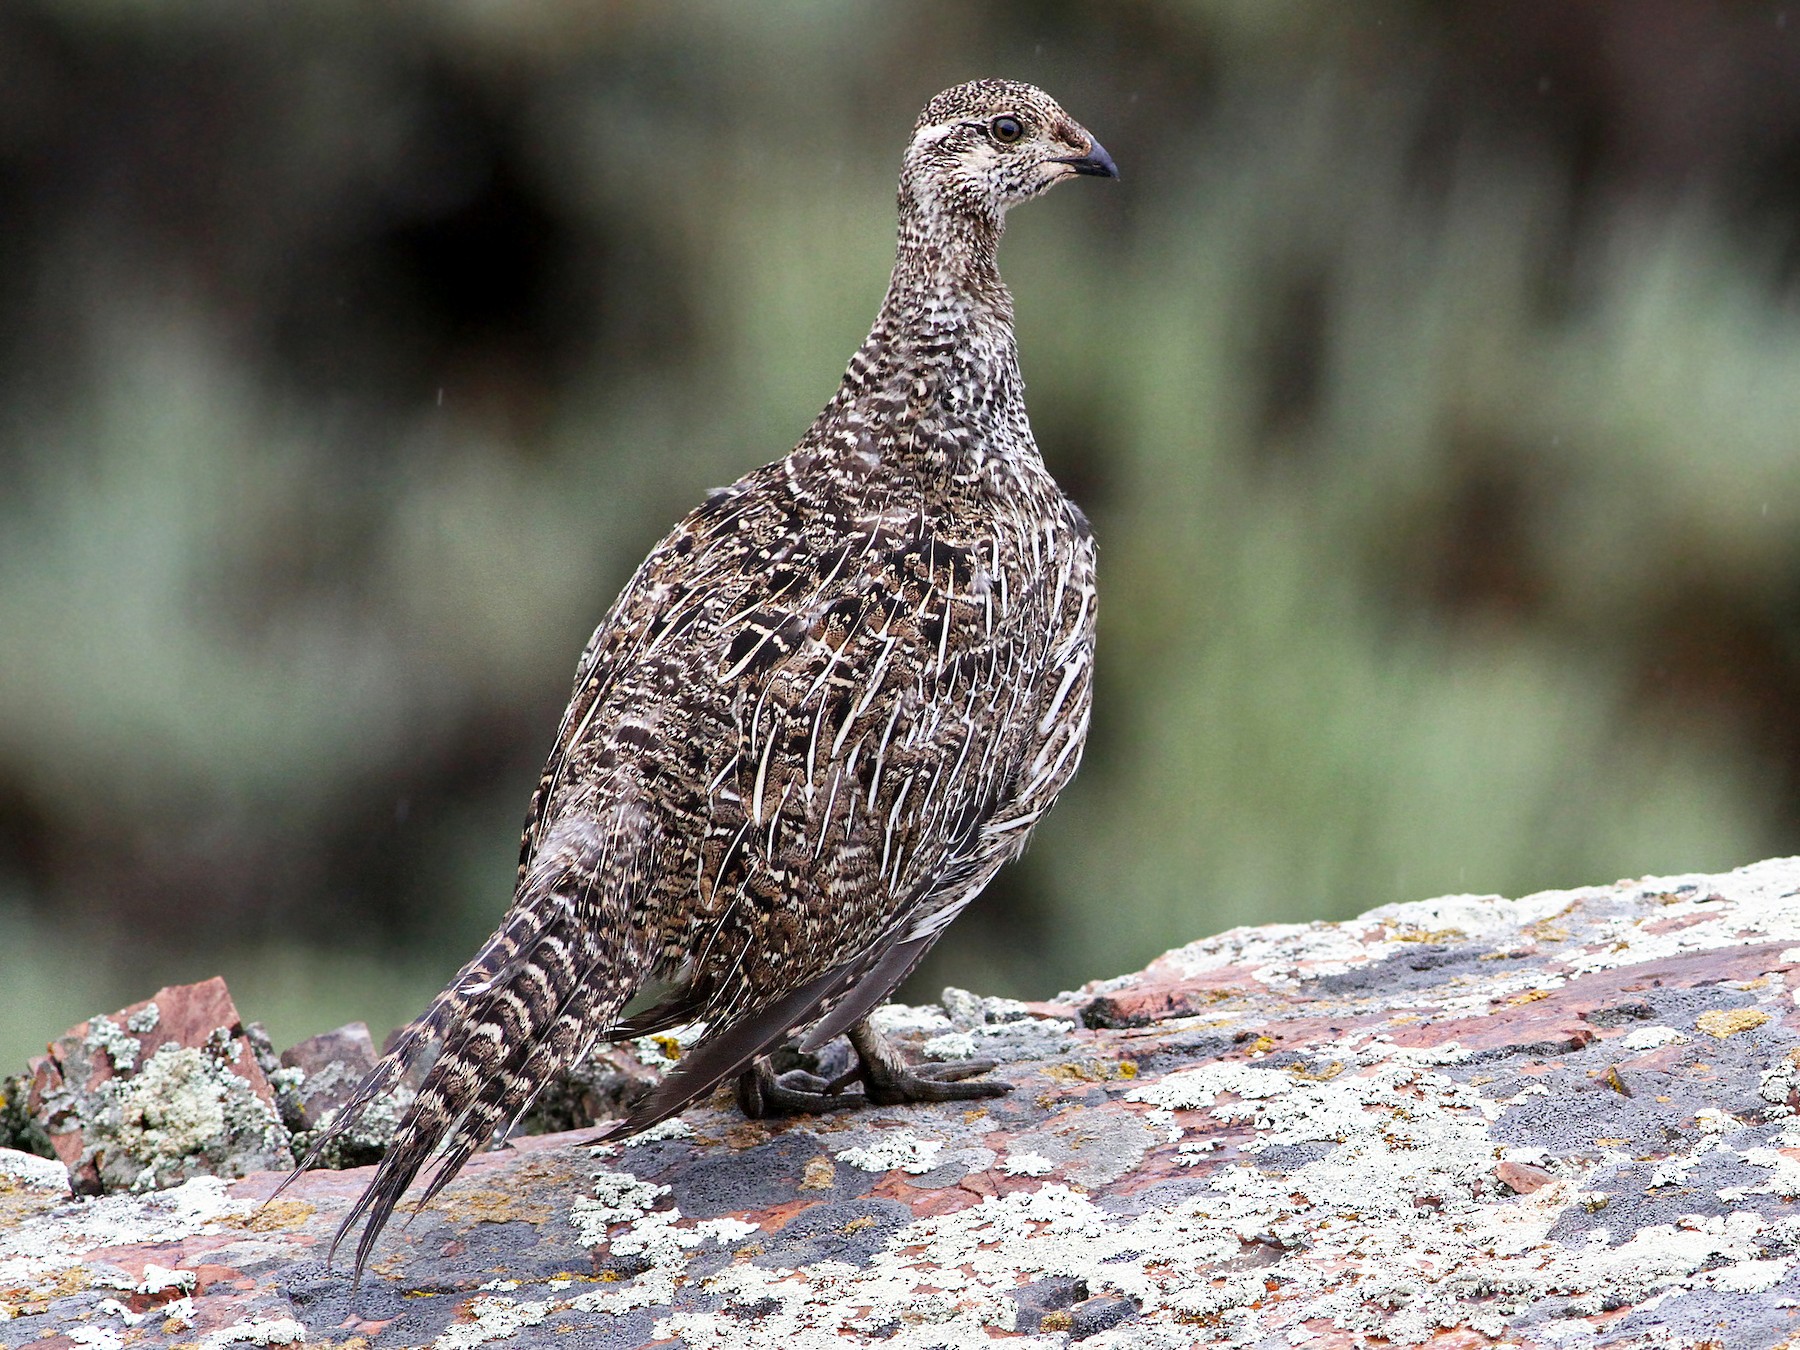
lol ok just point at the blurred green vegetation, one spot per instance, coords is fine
(1432, 378)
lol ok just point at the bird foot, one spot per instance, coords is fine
(887, 1080)
(762, 1093)
(894, 1086)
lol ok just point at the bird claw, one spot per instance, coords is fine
(762, 1093)
(887, 1081)
(892, 1086)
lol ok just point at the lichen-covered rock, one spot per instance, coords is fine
(19, 1128)
(163, 1091)
(1563, 1121)
(29, 1185)
(330, 1066)
(314, 1081)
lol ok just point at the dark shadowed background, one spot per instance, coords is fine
(1432, 378)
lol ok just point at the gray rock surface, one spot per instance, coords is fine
(1563, 1121)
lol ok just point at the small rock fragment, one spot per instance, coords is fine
(1522, 1178)
(1044, 1304)
(331, 1065)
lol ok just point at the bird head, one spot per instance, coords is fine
(982, 147)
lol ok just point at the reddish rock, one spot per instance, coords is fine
(157, 1092)
(1522, 1178)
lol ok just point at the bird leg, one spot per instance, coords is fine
(888, 1080)
(886, 1077)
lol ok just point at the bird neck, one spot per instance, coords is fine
(944, 328)
(948, 257)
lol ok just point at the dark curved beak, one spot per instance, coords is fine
(1095, 162)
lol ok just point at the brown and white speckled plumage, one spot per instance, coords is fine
(828, 706)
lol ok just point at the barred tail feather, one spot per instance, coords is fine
(428, 1031)
(528, 1007)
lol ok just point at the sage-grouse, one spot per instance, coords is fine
(826, 709)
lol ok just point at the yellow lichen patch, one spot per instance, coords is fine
(1612, 1080)
(1324, 1075)
(1528, 996)
(28, 1300)
(1430, 935)
(19, 1203)
(489, 1206)
(274, 1216)
(1547, 929)
(1261, 1045)
(1721, 1022)
(1060, 1320)
(669, 1045)
(857, 1225)
(746, 1134)
(1093, 1071)
(71, 1281)
(819, 1174)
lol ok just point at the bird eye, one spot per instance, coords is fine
(1006, 130)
